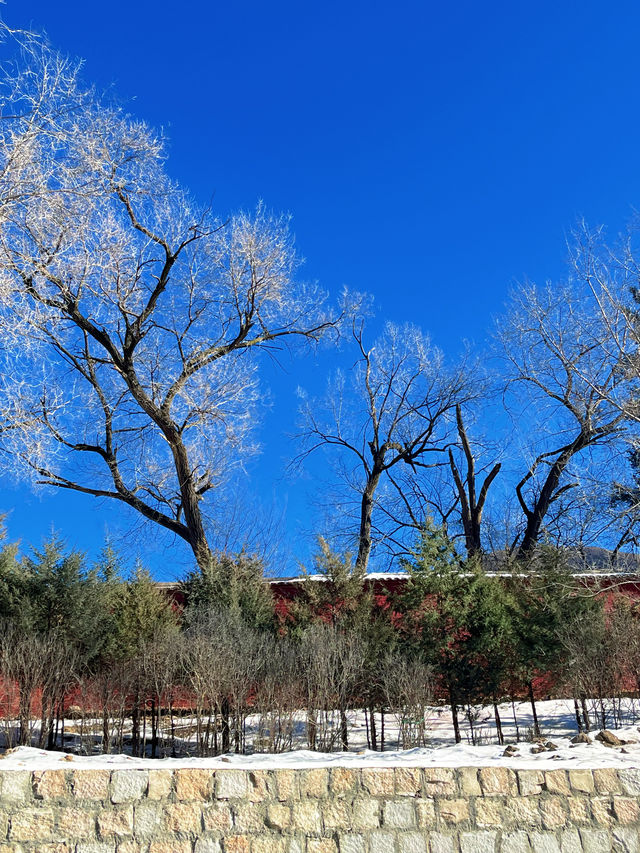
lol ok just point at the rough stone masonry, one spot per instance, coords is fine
(322, 810)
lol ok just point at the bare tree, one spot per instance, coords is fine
(128, 315)
(396, 411)
(472, 501)
(565, 391)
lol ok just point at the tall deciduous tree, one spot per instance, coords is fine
(394, 412)
(564, 377)
(128, 314)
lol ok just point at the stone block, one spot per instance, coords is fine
(478, 842)
(515, 842)
(381, 842)
(236, 844)
(174, 845)
(306, 817)
(54, 847)
(497, 780)
(268, 844)
(248, 817)
(602, 811)
(630, 780)
(194, 784)
(581, 780)
(160, 784)
(97, 847)
(351, 843)
(131, 846)
(207, 845)
(490, 812)
(49, 784)
(378, 781)
(75, 823)
(626, 810)
(521, 811)
(314, 783)
(15, 787)
(147, 818)
(544, 842)
(128, 785)
(321, 845)
(343, 780)
(579, 812)
(606, 780)
(439, 843)
(408, 781)
(337, 814)
(286, 784)
(115, 822)
(231, 784)
(553, 811)
(29, 824)
(557, 782)
(440, 781)
(570, 841)
(412, 842)
(278, 816)
(366, 814)
(90, 784)
(185, 818)
(530, 782)
(426, 813)
(217, 817)
(454, 811)
(260, 785)
(624, 840)
(295, 846)
(468, 781)
(398, 814)
(595, 840)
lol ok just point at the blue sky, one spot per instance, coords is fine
(431, 154)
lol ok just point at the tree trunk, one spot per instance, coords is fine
(496, 714)
(225, 712)
(105, 730)
(579, 722)
(515, 720)
(154, 729)
(135, 727)
(454, 716)
(24, 715)
(536, 725)
(366, 511)
(344, 732)
(374, 734)
(536, 516)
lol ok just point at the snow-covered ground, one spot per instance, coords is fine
(556, 717)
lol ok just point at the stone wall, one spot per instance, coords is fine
(336, 810)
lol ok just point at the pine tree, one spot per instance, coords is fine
(235, 583)
(457, 619)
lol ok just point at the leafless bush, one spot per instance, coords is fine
(279, 695)
(408, 690)
(332, 662)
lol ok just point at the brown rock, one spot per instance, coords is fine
(609, 739)
(582, 737)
